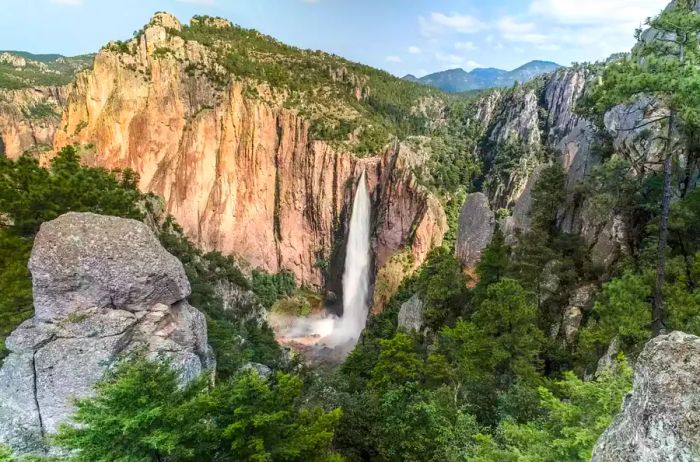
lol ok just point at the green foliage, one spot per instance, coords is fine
(42, 70)
(15, 284)
(422, 426)
(622, 310)
(442, 287)
(398, 363)
(39, 111)
(508, 317)
(272, 287)
(140, 413)
(30, 194)
(548, 195)
(655, 68)
(576, 412)
(493, 265)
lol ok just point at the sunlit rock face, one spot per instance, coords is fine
(239, 174)
(29, 119)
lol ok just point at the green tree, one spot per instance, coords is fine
(260, 420)
(442, 286)
(398, 363)
(575, 413)
(422, 426)
(666, 68)
(31, 194)
(508, 317)
(493, 265)
(140, 413)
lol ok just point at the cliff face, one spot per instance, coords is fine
(238, 171)
(29, 118)
(542, 120)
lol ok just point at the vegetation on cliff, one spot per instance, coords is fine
(21, 70)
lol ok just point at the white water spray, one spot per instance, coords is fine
(356, 275)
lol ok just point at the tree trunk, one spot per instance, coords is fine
(658, 324)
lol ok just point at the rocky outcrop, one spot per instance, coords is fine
(477, 223)
(660, 418)
(103, 287)
(411, 315)
(579, 302)
(29, 119)
(239, 173)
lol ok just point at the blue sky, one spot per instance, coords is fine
(401, 36)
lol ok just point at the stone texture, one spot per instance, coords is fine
(477, 223)
(581, 300)
(660, 418)
(411, 314)
(87, 260)
(104, 287)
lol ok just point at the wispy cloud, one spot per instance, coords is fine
(437, 23)
(393, 59)
(414, 50)
(197, 2)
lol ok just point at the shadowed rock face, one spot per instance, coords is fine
(476, 226)
(104, 287)
(660, 418)
(411, 315)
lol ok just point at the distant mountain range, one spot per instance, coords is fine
(459, 80)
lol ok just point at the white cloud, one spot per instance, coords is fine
(414, 50)
(67, 2)
(438, 23)
(197, 2)
(312, 2)
(597, 12)
(517, 31)
(466, 46)
(393, 59)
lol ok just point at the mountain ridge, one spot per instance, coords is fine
(458, 80)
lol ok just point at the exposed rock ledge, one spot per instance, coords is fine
(660, 418)
(103, 287)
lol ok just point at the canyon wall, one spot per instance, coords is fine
(237, 170)
(29, 118)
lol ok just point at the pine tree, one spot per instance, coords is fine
(665, 67)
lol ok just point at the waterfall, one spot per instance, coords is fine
(356, 274)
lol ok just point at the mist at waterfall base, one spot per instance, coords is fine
(341, 333)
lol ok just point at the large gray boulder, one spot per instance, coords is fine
(88, 260)
(660, 418)
(475, 229)
(103, 287)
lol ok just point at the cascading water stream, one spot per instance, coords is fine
(356, 275)
(328, 332)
